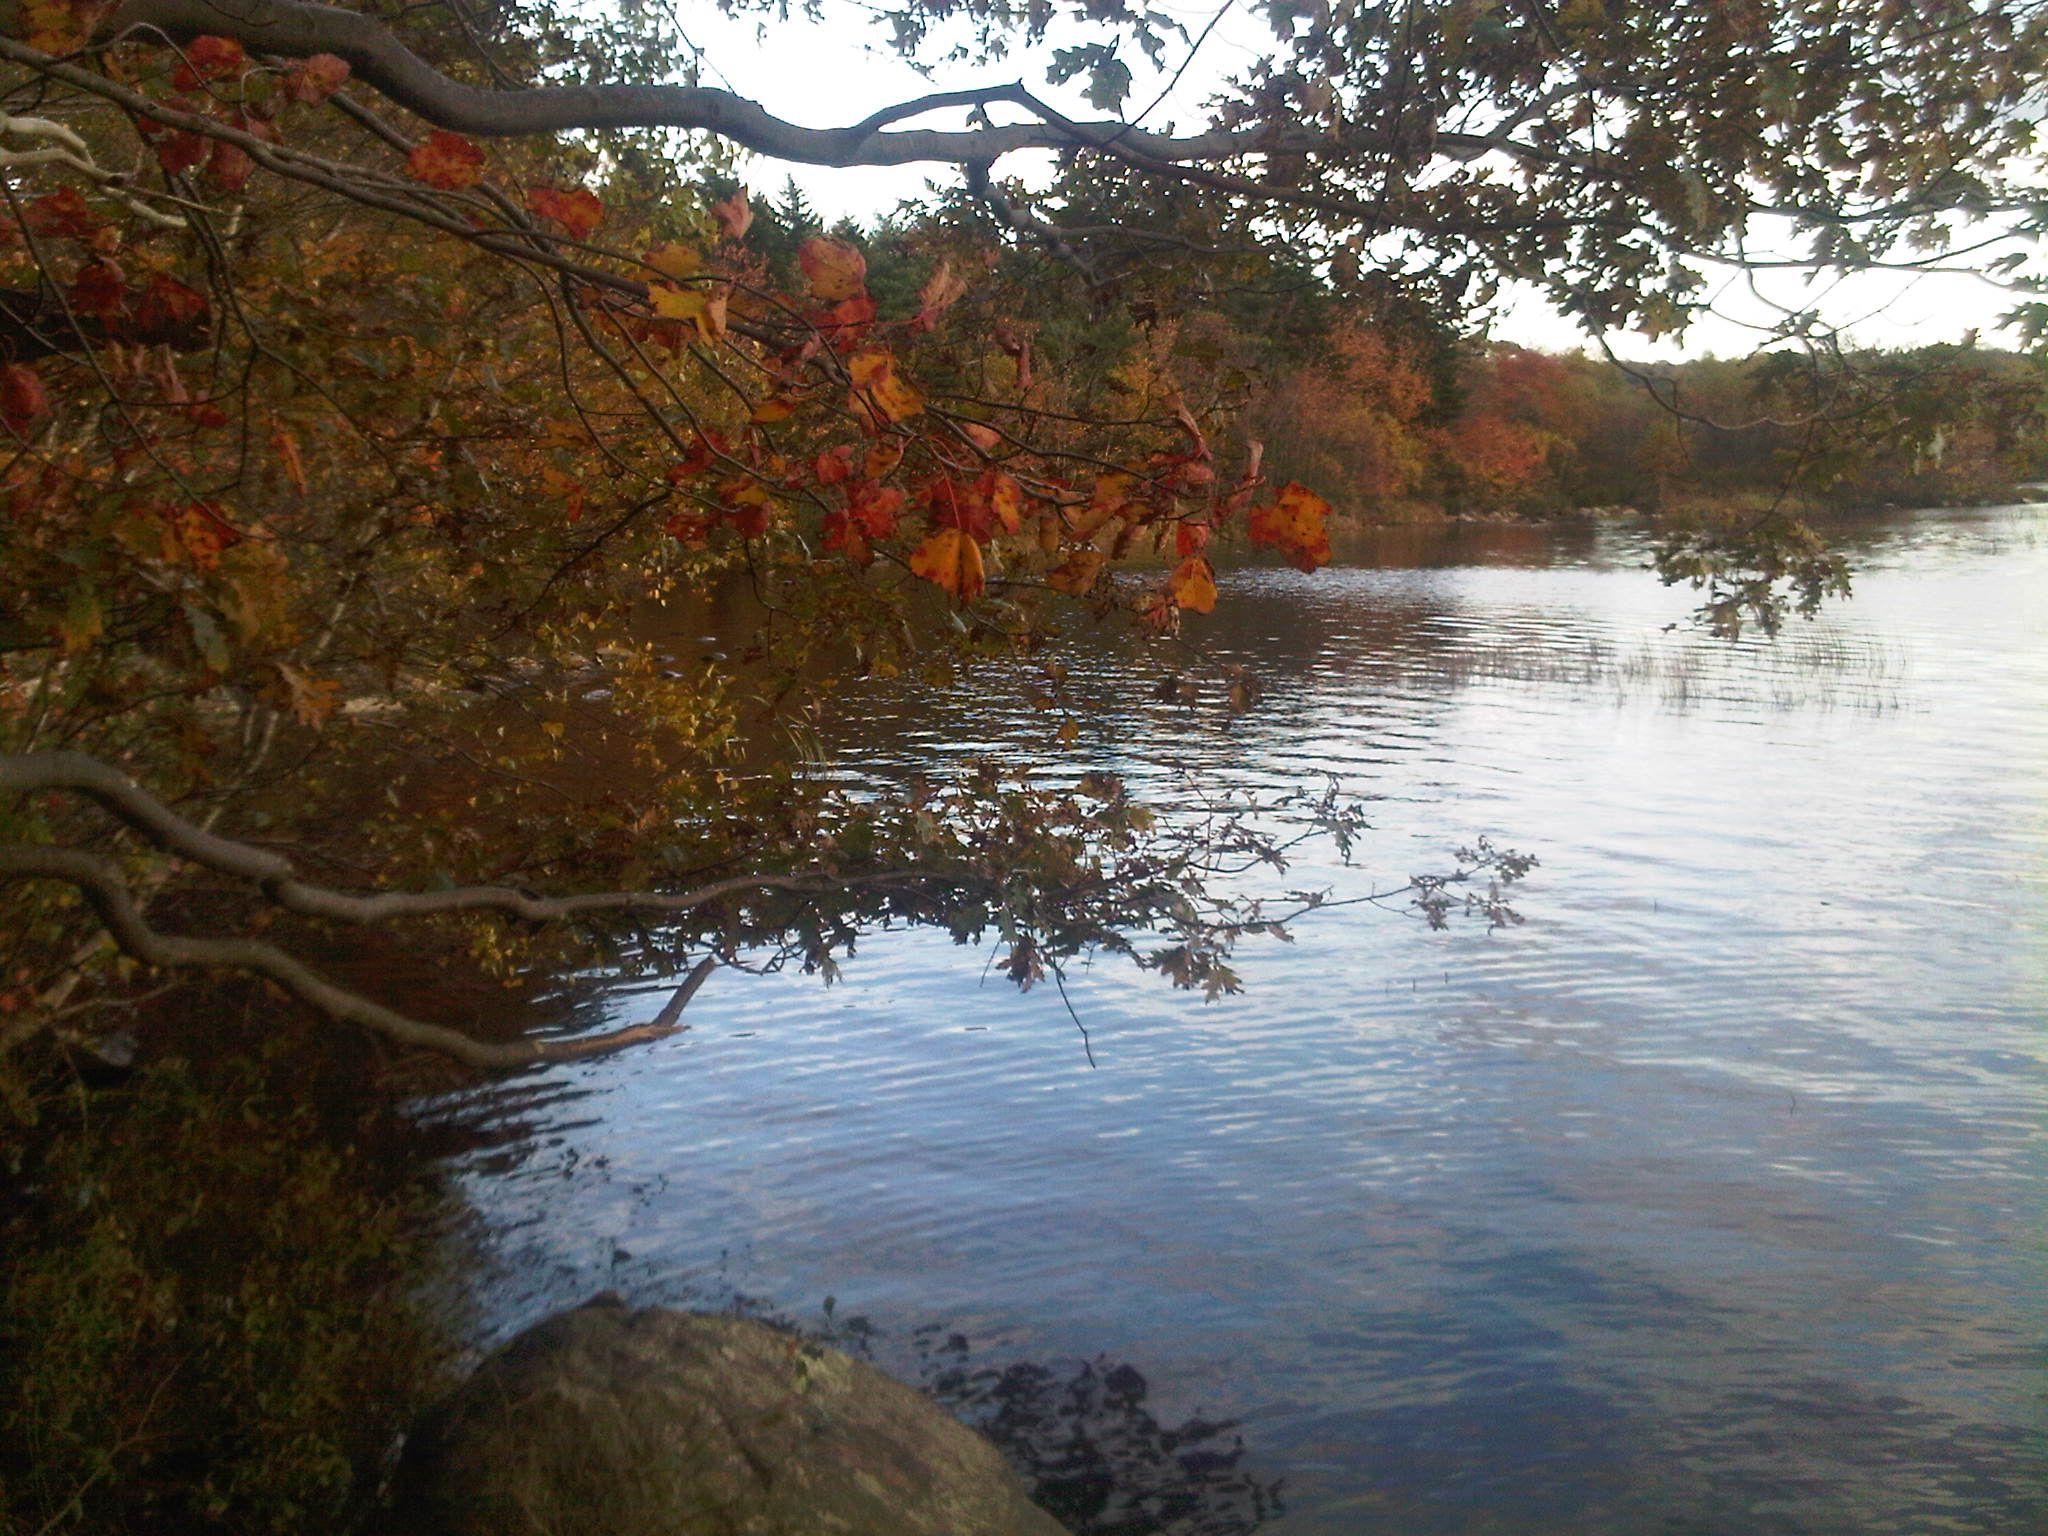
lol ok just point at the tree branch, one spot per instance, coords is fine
(295, 29)
(101, 882)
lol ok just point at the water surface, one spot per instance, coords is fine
(1713, 1199)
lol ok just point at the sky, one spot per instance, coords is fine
(837, 71)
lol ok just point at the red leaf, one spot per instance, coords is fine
(99, 291)
(447, 161)
(168, 310)
(229, 166)
(179, 151)
(22, 396)
(577, 210)
(62, 215)
(209, 58)
(313, 80)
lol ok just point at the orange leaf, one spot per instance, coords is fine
(447, 161)
(952, 560)
(834, 269)
(880, 389)
(704, 309)
(882, 458)
(577, 210)
(734, 217)
(1194, 584)
(1294, 525)
(1077, 573)
(1005, 498)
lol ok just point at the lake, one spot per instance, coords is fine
(1712, 1199)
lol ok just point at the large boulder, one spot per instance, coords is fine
(622, 1422)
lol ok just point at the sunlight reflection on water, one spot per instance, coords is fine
(1709, 1201)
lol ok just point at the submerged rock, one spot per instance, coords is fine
(617, 1422)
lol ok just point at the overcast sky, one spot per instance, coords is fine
(835, 72)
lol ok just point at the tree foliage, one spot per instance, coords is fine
(367, 375)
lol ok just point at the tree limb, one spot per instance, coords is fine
(100, 881)
(295, 29)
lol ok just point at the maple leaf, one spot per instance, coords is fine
(169, 310)
(446, 161)
(875, 507)
(941, 291)
(22, 396)
(1294, 526)
(733, 214)
(577, 210)
(834, 269)
(951, 559)
(880, 390)
(313, 80)
(1193, 584)
(99, 291)
(209, 58)
(62, 215)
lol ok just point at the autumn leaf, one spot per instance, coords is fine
(577, 209)
(941, 291)
(950, 559)
(1294, 525)
(882, 458)
(880, 389)
(565, 488)
(875, 507)
(834, 465)
(178, 151)
(1077, 573)
(1004, 497)
(1193, 584)
(313, 80)
(196, 534)
(61, 215)
(287, 449)
(733, 215)
(22, 396)
(309, 699)
(834, 269)
(700, 306)
(447, 161)
(229, 166)
(209, 58)
(169, 310)
(675, 260)
(99, 291)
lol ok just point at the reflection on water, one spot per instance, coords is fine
(1712, 1200)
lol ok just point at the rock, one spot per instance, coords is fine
(618, 1422)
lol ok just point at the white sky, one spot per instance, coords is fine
(836, 72)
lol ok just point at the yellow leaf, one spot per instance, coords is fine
(1194, 584)
(1077, 574)
(952, 560)
(880, 389)
(674, 261)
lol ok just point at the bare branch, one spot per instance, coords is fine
(101, 882)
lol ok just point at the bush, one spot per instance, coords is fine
(215, 1319)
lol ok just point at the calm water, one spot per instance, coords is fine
(1713, 1199)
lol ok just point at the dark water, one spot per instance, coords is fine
(1714, 1199)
